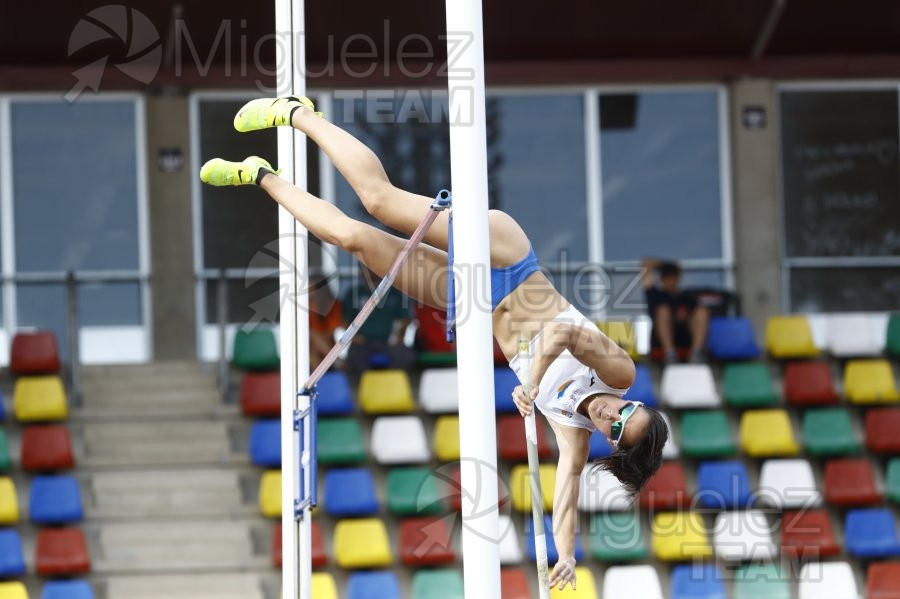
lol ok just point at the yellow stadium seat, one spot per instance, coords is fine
(678, 536)
(385, 392)
(621, 332)
(9, 504)
(362, 543)
(270, 494)
(790, 337)
(587, 588)
(40, 398)
(323, 586)
(446, 438)
(13, 590)
(520, 486)
(870, 381)
(767, 433)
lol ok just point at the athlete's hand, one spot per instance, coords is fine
(563, 573)
(523, 402)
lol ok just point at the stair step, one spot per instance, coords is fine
(194, 586)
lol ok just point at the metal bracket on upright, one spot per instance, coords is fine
(307, 455)
(442, 200)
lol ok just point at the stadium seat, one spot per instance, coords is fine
(640, 581)
(706, 434)
(790, 337)
(255, 350)
(670, 449)
(882, 426)
(617, 537)
(514, 584)
(12, 562)
(827, 580)
(510, 548)
(261, 394)
(426, 540)
(505, 380)
(892, 482)
(749, 385)
(808, 535)
(723, 485)
(587, 587)
(689, 386)
(67, 589)
(883, 580)
(34, 353)
(893, 335)
(511, 438)
(871, 533)
(446, 438)
(666, 490)
(437, 583)
(679, 536)
(869, 381)
(642, 388)
(438, 390)
(829, 431)
(809, 383)
(413, 490)
(731, 339)
(621, 332)
(520, 486)
(850, 482)
(385, 392)
(333, 395)
(350, 492)
(451, 475)
(399, 440)
(341, 441)
(55, 500)
(852, 335)
(767, 433)
(598, 447)
(318, 557)
(323, 586)
(61, 552)
(378, 584)
(761, 581)
(362, 543)
(13, 590)
(47, 447)
(9, 502)
(5, 460)
(265, 443)
(697, 581)
(788, 484)
(599, 490)
(40, 398)
(552, 553)
(270, 494)
(743, 535)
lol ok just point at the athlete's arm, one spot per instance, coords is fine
(573, 453)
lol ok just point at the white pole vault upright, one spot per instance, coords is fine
(478, 435)
(296, 546)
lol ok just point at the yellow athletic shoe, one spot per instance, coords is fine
(221, 173)
(269, 112)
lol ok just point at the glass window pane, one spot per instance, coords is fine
(661, 180)
(75, 185)
(247, 300)
(845, 289)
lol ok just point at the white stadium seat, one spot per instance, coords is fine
(438, 391)
(743, 535)
(689, 386)
(634, 581)
(787, 484)
(399, 440)
(827, 580)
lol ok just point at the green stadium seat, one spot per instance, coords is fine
(437, 583)
(706, 434)
(829, 431)
(5, 461)
(617, 537)
(749, 385)
(255, 350)
(893, 335)
(341, 441)
(893, 480)
(761, 581)
(413, 491)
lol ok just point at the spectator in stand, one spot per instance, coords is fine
(679, 323)
(326, 316)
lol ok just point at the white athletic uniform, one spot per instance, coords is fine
(567, 381)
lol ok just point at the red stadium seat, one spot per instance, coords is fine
(883, 581)
(511, 439)
(61, 552)
(809, 383)
(666, 490)
(850, 482)
(261, 394)
(426, 541)
(47, 447)
(319, 558)
(34, 353)
(808, 535)
(432, 331)
(514, 584)
(882, 426)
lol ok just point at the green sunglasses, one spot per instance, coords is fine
(618, 428)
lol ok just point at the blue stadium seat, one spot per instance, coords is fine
(265, 443)
(642, 389)
(11, 561)
(505, 380)
(55, 500)
(599, 447)
(871, 533)
(333, 395)
(552, 553)
(723, 485)
(697, 581)
(731, 339)
(67, 589)
(373, 585)
(350, 492)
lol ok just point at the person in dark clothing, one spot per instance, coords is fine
(679, 323)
